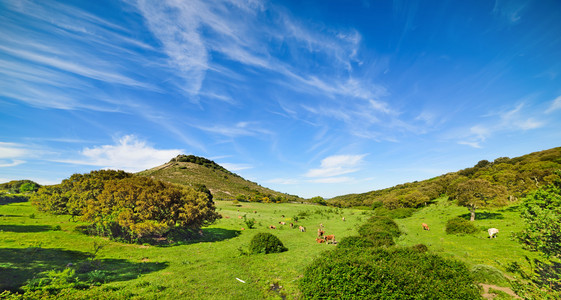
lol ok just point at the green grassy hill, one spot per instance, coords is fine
(518, 176)
(224, 185)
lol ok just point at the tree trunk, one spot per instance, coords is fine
(472, 211)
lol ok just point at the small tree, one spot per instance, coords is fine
(479, 193)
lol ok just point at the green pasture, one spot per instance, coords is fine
(209, 268)
(473, 249)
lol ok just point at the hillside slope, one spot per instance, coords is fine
(190, 170)
(518, 176)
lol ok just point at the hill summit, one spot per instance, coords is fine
(191, 170)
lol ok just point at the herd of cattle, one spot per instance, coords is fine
(327, 239)
(321, 237)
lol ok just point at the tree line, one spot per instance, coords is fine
(487, 184)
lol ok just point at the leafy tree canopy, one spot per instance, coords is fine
(542, 213)
(479, 193)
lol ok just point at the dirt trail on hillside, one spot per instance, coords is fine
(487, 295)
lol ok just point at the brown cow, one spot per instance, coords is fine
(319, 241)
(425, 226)
(320, 232)
(282, 223)
(331, 238)
(272, 227)
(302, 229)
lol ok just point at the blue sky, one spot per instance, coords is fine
(305, 97)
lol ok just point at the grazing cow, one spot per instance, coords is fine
(291, 225)
(425, 226)
(320, 232)
(331, 238)
(243, 228)
(239, 217)
(282, 223)
(343, 219)
(319, 241)
(272, 227)
(254, 211)
(320, 225)
(302, 229)
(493, 232)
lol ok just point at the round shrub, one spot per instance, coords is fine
(355, 242)
(380, 223)
(460, 226)
(378, 273)
(266, 243)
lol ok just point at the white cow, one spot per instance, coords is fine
(492, 232)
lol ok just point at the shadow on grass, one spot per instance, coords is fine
(484, 215)
(514, 208)
(9, 199)
(25, 228)
(208, 235)
(17, 265)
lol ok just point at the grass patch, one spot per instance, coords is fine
(203, 268)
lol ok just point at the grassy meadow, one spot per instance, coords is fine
(209, 268)
(214, 266)
(473, 249)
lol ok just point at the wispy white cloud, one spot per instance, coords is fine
(337, 165)
(511, 11)
(235, 167)
(555, 105)
(237, 130)
(13, 150)
(129, 154)
(12, 154)
(516, 119)
(13, 163)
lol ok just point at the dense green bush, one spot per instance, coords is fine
(379, 223)
(11, 198)
(140, 208)
(72, 195)
(266, 243)
(460, 226)
(378, 273)
(20, 186)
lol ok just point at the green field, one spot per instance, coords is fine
(207, 268)
(210, 267)
(471, 249)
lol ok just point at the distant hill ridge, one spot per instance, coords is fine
(519, 176)
(191, 170)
